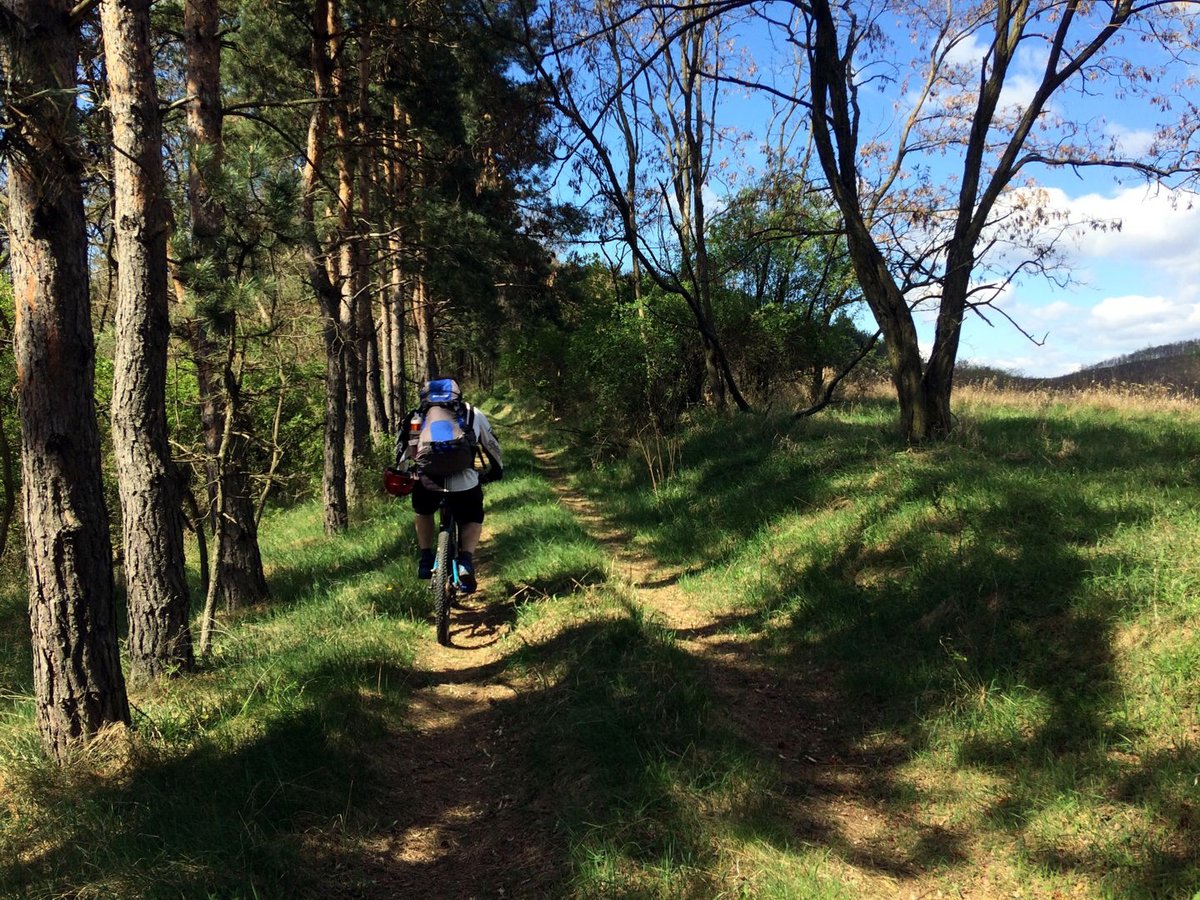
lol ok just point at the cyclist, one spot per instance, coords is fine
(441, 438)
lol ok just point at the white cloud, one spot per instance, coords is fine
(1018, 91)
(968, 51)
(1132, 322)
(1075, 332)
(1129, 310)
(1020, 85)
(1054, 312)
(1131, 143)
(1146, 226)
(1042, 362)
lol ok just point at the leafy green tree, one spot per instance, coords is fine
(789, 290)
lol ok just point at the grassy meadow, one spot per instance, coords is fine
(969, 668)
(1007, 620)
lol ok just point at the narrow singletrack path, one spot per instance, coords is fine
(469, 826)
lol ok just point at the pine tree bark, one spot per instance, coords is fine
(374, 417)
(395, 301)
(426, 356)
(397, 382)
(348, 271)
(78, 684)
(240, 580)
(425, 360)
(376, 408)
(399, 283)
(201, 18)
(160, 641)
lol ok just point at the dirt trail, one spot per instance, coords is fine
(470, 827)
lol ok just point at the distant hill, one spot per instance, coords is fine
(1175, 366)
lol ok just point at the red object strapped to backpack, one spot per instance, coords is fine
(397, 483)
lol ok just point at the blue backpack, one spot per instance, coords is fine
(441, 431)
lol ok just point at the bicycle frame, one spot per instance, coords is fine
(445, 582)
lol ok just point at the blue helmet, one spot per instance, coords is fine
(441, 390)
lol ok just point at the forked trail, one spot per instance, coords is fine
(474, 822)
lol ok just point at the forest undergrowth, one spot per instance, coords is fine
(967, 669)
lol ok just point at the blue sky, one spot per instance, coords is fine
(1132, 287)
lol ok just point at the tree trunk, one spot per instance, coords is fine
(349, 273)
(426, 357)
(939, 371)
(354, 385)
(695, 138)
(160, 641)
(9, 480)
(374, 415)
(78, 684)
(397, 384)
(376, 408)
(333, 479)
(395, 298)
(239, 569)
(391, 249)
(891, 313)
(201, 19)
(832, 118)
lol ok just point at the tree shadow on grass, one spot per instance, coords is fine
(539, 558)
(511, 501)
(963, 594)
(647, 765)
(706, 514)
(339, 562)
(216, 820)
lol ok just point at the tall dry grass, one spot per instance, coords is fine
(1119, 397)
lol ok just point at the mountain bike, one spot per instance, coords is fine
(445, 582)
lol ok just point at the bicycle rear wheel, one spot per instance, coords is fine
(443, 588)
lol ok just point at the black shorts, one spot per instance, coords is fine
(467, 506)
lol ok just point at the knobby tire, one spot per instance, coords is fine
(443, 588)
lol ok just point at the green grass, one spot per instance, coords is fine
(622, 737)
(1015, 608)
(539, 550)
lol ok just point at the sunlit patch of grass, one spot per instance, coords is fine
(541, 550)
(805, 871)
(1125, 399)
(535, 546)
